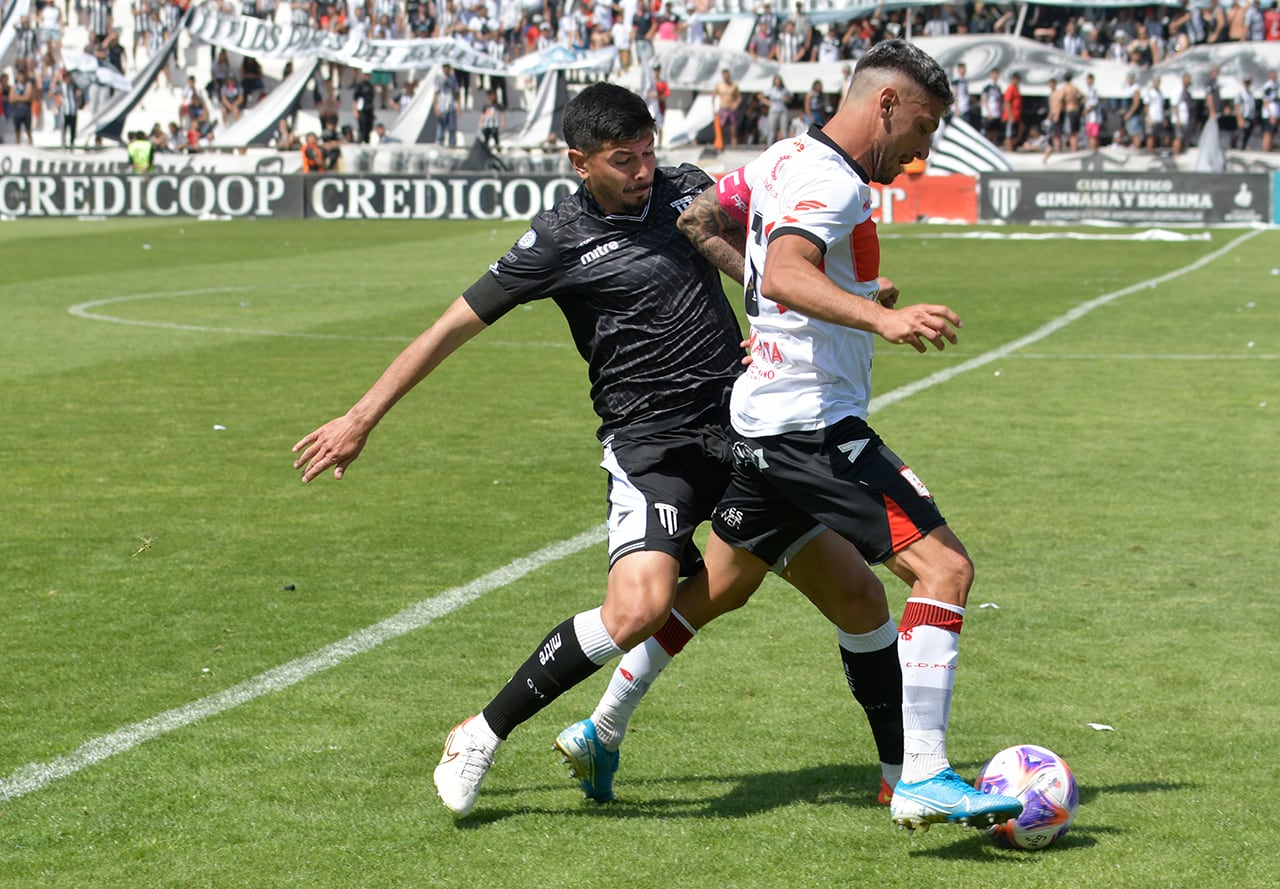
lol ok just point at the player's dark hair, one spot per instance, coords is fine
(605, 112)
(911, 60)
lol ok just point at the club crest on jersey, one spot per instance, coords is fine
(682, 203)
(595, 253)
(668, 517)
(527, 240)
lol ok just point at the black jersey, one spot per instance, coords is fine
(645, 309)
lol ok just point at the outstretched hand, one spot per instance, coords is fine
(336, 443)
(917, 325)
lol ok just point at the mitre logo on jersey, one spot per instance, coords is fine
(681, 204)
(603, 250)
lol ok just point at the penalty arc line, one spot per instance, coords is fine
(35, 776)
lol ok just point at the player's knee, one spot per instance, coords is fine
(729, 597)
(963, 571)
(633, 618)
(950, 577)
(642, 589)
(860, 607)
(631, 626)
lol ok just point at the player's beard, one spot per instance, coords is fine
(886, 169)
(636, 199)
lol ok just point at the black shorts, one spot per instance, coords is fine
(664, 484)
(843, 477)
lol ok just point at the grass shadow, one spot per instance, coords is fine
(747, 795)
(1082, 835)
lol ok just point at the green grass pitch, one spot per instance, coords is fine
(1114, 476)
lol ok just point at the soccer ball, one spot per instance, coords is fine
(1042, 780)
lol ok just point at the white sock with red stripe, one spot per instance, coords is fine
(634, 674)
(928, 647)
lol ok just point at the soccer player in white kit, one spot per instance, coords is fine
(812, 259)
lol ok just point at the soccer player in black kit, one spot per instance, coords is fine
(649, 315)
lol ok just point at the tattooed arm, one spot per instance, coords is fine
(717, 235)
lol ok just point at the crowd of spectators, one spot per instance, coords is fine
(35, 92)
(1143, 118)
(56, 75)
(1069, 117)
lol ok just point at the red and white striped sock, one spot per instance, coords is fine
(634, 674)
(928, 648)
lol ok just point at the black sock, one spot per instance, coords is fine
(875, 678)
(557, 665)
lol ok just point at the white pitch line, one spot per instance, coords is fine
(1116, 356)
(1052, 327)
(85, 310)
(1138, 356)
(35, 776)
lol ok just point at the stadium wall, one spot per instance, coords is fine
(1133, 199)
(377, 196)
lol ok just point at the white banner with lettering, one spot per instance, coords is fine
(250, 36)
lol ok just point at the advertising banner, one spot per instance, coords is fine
(1275, 198)
(158, 194)
(1131, 199)
(926, 199)
(444, 197)
(1136, 199)
(265, 195)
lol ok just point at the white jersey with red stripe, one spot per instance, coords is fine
(805, 374)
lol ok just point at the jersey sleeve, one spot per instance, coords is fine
(689, 179)
(734, 195)
(820, 204)
(530, 270)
